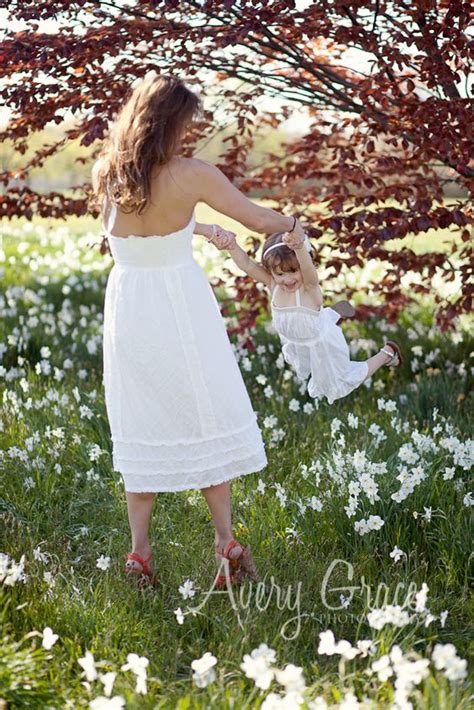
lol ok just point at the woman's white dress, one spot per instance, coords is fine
(178, 409)
(315, 346)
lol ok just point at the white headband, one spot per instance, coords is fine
(307, 245)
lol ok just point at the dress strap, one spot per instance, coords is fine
(298, 297)
(273, 294)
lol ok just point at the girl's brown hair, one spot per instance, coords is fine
(146, 133)
(283, 257)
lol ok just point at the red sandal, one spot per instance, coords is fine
(235, 568)
(144, 577)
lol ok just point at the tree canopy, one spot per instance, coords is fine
(383, 137)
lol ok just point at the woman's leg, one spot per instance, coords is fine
(140, 506)
(376, 361)
(218, 500)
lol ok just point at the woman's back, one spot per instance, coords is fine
(173, 198)
(175, 189)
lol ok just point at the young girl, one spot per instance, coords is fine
(312, 342)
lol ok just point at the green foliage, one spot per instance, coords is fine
(62, 498)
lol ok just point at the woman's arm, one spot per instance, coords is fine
(216, 190)
(220, 237)
(205, 230)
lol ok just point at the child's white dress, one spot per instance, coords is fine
(314, 345)
(178, 409)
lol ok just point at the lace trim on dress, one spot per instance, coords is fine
(136, 483)
(188, 465)
(188, 458)
(202, 440)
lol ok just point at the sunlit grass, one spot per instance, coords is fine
(63, 507)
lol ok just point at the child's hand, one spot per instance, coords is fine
(222, 238)
(292, 240)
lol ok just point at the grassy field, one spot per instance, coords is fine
(359, 525)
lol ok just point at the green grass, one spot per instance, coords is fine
(59, 493)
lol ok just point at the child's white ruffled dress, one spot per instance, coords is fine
(179, 412)
(315, 346)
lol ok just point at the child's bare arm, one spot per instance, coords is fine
(308, 270)
(244, 262)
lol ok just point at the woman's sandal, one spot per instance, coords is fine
(144, 577)
(395, 357)
(238, 567)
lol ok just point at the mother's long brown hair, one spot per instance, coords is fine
(146, 133)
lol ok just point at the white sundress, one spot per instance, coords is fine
(315, 346)
(179, 412)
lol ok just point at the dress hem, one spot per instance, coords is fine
(174, 442)
(343, 391)
(198, 486)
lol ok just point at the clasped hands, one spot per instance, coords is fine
(225, 239)
(222, 238)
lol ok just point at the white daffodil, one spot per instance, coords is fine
(294, 405)
(349, 702)
(108, 680)
(389, 614)
(352, 421)
(397, 554)
(291, 677)
(327, 643)
(88, 664)
(258, 670)
(138, 665)
(346, 650)
(382, 667)
(187, 590)
(204, 672)
(179, 615)
(421, 597)
(103, 703)
(103, 562)
(49, 638)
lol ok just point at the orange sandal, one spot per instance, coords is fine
(145, 577)
(236, 568)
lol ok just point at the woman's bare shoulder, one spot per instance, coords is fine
(195, 166)
(198, 176)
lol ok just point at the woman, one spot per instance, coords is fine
(178, 410)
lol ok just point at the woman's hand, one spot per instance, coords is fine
(222, 238)
(294, 239)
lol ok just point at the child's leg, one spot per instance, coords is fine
(377, 361)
